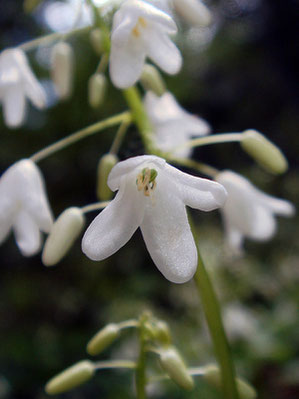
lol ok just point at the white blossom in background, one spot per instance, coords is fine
(193, 12)
(141, 30)
(62, 69)
(172, 125)
(24, 206)
(249, 212)
(16, 83)
(153, 195)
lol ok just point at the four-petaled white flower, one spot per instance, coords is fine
(16, 83)
(24, 206)
(140, 30)
(153, 195)
(172, 125)
(249, 212)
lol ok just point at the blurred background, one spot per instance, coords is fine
(240, 73)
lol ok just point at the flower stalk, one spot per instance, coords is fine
(140, 375)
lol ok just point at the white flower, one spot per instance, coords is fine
(16, 83)
(153, 195)
(140, 30)
(172, 125)
(248, 212)
(193, 11)
(24, 206)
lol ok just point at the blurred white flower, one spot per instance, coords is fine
(248, 212)
(153, 195)
(193, 12)
(140, 30)
(16, 83)
(172, 125)
(24, 206)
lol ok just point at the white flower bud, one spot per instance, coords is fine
(97, 85)
(173, 365)
(62, 69)
(64, 232)
(152, 80)
(96, 40)
(213, 376)
(162, 332)
(70, 378)
(264, 151)
(104, 168)
(193, 11)
(104, 338)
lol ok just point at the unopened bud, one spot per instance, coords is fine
(213, 376)
(96, 40)
(174, 366)
(264, 151)
(152, 80)
(162, 333)
(64, 232)
(97, 85)
(194, 12)
(104, 168)
(62, 69)
(70, 378)
(103, 339)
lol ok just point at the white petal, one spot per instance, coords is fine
(126, 62)
(27, 234)
(125, 167)
(194, 11)
(263, 224)
(162, 51)
(14, 105)
(234, 239)
(162, 109)
(196, 192)
(276, 205)
(116, 224)
(167, 233)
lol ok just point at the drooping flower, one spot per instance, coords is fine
(16, 83)
(172, 125)
(249, 212)
(152, 195)
(24, 206)
(141, 30)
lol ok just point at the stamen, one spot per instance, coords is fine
(141, 23)
(146, 181)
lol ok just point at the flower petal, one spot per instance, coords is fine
(27, 234)
(116, 224)
(277, 205)
(196, 192)
(162, 51)
(167, 233)
(263, 223)
(14, 105)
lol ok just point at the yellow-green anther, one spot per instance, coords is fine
(213, 377)
(64, 232)
(267, 154)
(152, 80)
(153, 175)
(96, 40)
(174, 366)
(105, 165)
(70, 378)
(97, 85)
(103, 339)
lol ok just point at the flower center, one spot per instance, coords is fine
(146, 181)
(141, 23)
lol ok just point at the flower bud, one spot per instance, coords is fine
(213, 376)
(264, 151)
(173, 365)
(152, 80)
(162, 333)
(103, 339)
(96, 40)
(97, 85)
(194, 12)
(64, 232)
(70, 378)
(104, 167)
(62, 69)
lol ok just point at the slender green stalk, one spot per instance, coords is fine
(119, 137)
(94, 207)
(213, 139)
(115, 364)
(213, 316)
(79, 135)
(140, 376)
(140, 117)
(189, 163)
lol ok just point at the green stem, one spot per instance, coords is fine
(140, 117)
(115, 364)
(79, 135)
(213, 316)
(214, 139)
(95, 207)
(141, 363)
(189, 163)
(119, 137)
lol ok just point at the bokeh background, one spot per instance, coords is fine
(241, 73)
